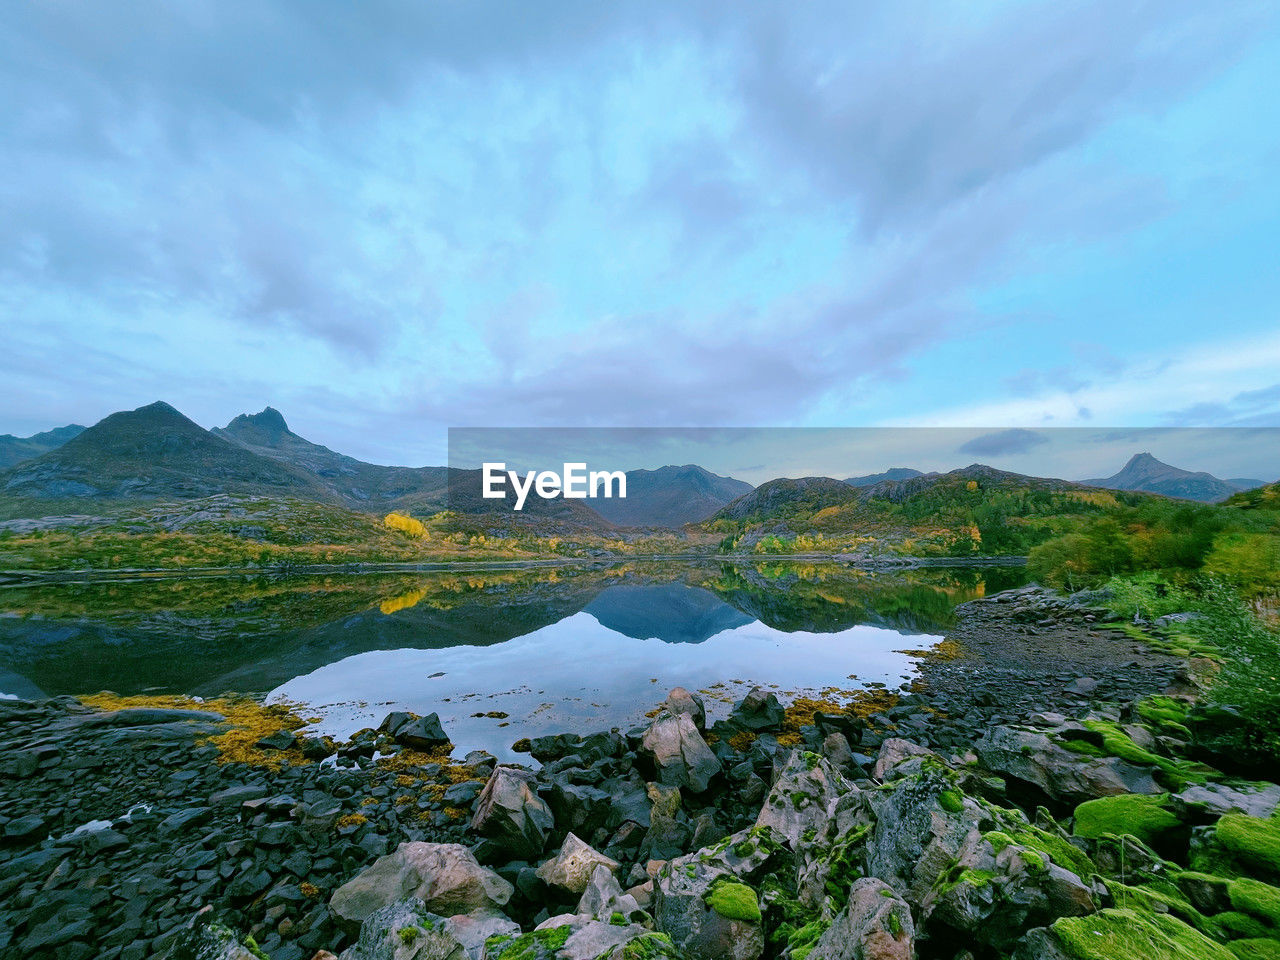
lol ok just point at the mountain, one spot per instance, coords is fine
(670, 497)
(1145, 472)
(670, 612)
(349, 480)
(785, 497)
(14, 450)
(989, 478)
(1244, 483)
(893, 473)
(153, 452)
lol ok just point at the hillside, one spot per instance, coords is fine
(893, 473)
(1266, 497)
(1145, 472)
(670, 497)
(14, 450)
(787, 498)
(350, 481)
(151, 453)
(974, 510)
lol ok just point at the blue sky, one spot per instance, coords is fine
(386, 219)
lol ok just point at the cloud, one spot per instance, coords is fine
(1003, 442)
(438, 214)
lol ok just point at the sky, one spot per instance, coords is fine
(391, 218)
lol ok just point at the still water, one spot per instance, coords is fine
(498, 654)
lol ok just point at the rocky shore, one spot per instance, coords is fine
(1034, 796)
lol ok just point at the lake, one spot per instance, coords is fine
(499, 654)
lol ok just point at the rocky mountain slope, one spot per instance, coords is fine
(14, 450)
(670, 497)
(893, 473)
(153, 452)
(1145, 472)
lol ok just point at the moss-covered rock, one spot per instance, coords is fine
(1256, 948)
(1257, 899)
(1145, 817)
(1122, 934)
(1252, 842)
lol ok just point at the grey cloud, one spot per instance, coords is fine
(1003, 442)
(944, 113)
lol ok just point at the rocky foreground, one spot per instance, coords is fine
(1041, 825)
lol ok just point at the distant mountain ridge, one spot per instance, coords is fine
(670, 496)
(14, 450)
(1144, 472)
(893, 473)
(352, 481)
(155, 453)
(150, 453)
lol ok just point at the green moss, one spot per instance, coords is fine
(1117, 743)
(895, 925)
(1144, 817)
(1059, 850)
(998, 840)
(1084, 747)
(811, 759)
(1256, 949)
(1256, 898)
(251, 945)
(1233, 925)
(951, 801)
(650, 946)
(744, 848)
(1252, 841)
(408, 935)
(734, 900)
(1120, 934)
(536, 945)
(1034, 860)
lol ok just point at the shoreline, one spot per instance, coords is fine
(27, 578)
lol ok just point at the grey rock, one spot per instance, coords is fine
(512, 815)
(874, 925)
(444, 876)
(679, 754)
(572, 867)
(405, 930)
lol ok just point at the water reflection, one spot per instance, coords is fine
(578, 634)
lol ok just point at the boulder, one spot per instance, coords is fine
(804, 790)
(417, 733)
(603, 897)
(758, 710)
(208, 941)
(512, 815)
(571, 868)
(1216, 799)
(444, 876)
(404, 931)
(998, 888)
(892, 761)
(680, 700)
(566, 937)
(920, 825)
(874, 925)
(473, 929)
(706, 901)
(1033, 757)
(681, 758)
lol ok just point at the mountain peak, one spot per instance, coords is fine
(1144, 472)
(264, 428)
